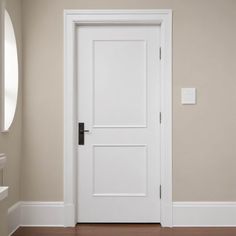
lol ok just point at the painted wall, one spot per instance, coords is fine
(10, 142)
(3, 218)
(204, 56)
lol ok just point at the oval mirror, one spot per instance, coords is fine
(10, 73)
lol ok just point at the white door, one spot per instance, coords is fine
(119, 103)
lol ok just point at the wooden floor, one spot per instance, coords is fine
(124, 230)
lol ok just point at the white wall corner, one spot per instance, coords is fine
(204, 214)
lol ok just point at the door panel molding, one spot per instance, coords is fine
(123, 194)
(73, 18)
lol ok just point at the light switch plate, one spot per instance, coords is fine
(188, 96)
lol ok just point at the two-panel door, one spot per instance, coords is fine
(118, 75)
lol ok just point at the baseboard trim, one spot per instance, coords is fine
(42, 214)
(69, 215)
(185, 214)
(13, 218)
(204, 214)
(50, 214)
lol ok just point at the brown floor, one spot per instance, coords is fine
(124, 230)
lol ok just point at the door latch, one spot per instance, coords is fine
(81, 132)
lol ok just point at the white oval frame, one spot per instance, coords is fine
(10, 71)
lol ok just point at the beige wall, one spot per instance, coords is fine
(204, 56)
(3, 217)
(10, 143)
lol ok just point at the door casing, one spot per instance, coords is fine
(74, 18)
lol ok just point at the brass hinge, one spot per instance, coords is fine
(160, 53)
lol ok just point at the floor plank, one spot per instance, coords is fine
(123, 230)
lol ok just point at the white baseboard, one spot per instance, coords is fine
(185, 214)
(204, 214)
(69, 215)
(13, 218)
(42, 214)
(35, 214)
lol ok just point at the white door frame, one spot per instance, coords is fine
(73, 18)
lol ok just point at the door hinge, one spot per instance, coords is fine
(160, 118)
(160, 191)
(160, 53)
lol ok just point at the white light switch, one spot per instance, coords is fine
(188, 95)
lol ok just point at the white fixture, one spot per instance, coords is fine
(3, 192)
(3, 160)
(188, 96)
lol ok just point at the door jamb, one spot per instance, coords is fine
(73, 18)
